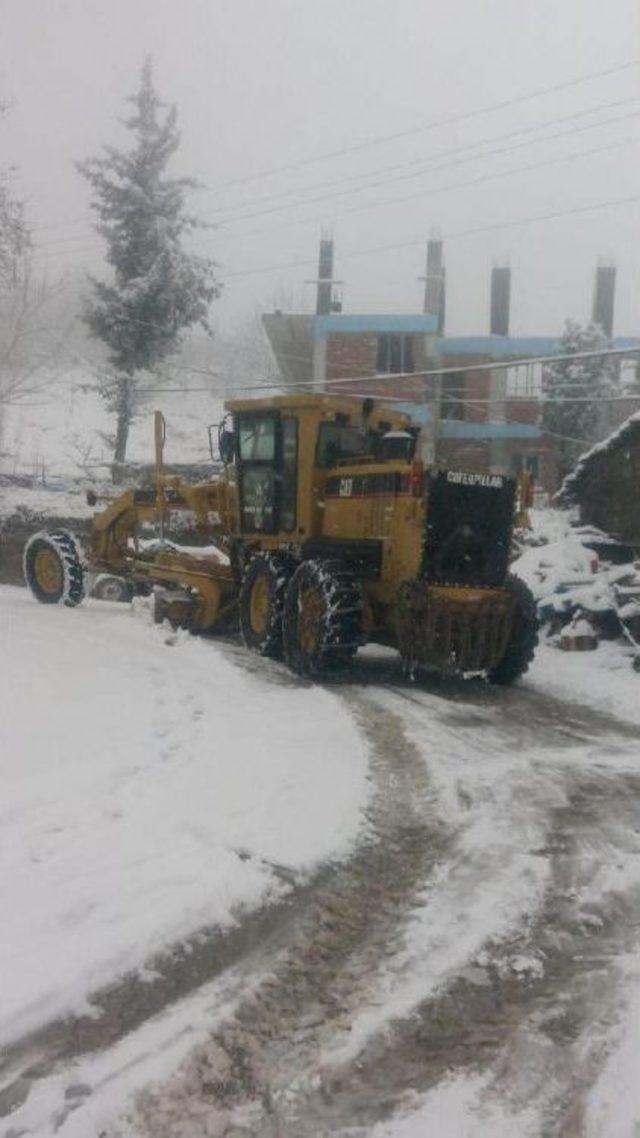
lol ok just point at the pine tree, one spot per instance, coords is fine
(574, 413)
(158, 288)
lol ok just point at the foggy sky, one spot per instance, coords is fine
(263, 83)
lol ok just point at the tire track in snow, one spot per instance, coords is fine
(534, 1008)
(244, 1075)
(533, 1011)
(534, 1003)
(530, 1010)
(327, 936)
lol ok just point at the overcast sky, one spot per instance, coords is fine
(260, 84)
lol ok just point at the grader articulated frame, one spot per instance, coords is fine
(115, 547)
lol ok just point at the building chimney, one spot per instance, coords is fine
(325, 277)
(435, 282)
(604, 297)
(500, 300)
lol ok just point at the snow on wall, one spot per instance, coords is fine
(570, 482)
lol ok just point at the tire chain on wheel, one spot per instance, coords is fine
(342, 594)
(524, 634)
(279, 568)
(72, 561)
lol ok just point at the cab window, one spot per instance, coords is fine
(257, 438)
(337, 443)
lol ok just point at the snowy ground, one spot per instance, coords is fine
(149, 789)
(604, 678)
(60, 439)
(234, 903)
(466, 962)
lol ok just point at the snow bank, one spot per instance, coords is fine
(566, 576)
(149, 788)
(603, 679)
(558, 557)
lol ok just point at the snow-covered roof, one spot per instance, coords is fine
(616, 436)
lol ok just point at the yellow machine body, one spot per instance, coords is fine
(332, 480)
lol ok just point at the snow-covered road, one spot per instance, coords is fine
(461, 957)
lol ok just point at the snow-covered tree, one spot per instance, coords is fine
(14, 237)
(574, 413)
(158, 287)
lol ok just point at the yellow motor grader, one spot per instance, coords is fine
(328, 534)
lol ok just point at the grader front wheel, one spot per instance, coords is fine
(261, 602)
(54, 568)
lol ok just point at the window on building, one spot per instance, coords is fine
(453, 396)
(395, 354)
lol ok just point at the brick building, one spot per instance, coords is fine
(469, 418)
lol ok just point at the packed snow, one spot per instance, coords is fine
(568, 579)
(150, 788)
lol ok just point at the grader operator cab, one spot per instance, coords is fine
(330, 534)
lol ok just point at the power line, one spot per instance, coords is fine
(517, 223)
(494, 365)
(447, 120)
(436, 190)
(411, 244)
(431, 167)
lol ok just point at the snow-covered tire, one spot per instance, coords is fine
(322, 620)
(108, 587)
(261, 602)
(54, 568)
(524, 635)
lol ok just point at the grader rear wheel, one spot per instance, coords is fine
(322, 618)
(54, 568)
(524, 635)
(261, 602)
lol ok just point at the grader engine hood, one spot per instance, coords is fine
(457, 615)
(468, 528)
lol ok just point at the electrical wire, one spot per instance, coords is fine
(386, 377)
(435, 191)
(345, 192)
(431, 167)
(435, 160)
(447, 120)
(472, 232)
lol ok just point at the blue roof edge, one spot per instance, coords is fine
(382, 322)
